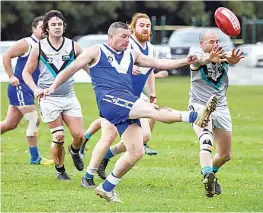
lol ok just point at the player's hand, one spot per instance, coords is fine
(38, 93)
(153, 98)
(217, 55)
(14, 81)
(235, 57)
(135, 70)
(191, 58)
(161, 74)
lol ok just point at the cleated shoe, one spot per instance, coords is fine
(209, 182)
(148, 150)
(109, 196)
(78, 162)
(87, 183)
(62, 176)
(102, 169)
(210, 107)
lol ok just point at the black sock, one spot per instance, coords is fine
(60, 169)
(76, 151)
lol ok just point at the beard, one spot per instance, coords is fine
(142, 37)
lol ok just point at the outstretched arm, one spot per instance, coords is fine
(162, 64)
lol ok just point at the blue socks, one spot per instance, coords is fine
(88, 176)
(108, 155)
(215, 169)
(206, 170)
(88, 136)
(110, 182)
(192, 117)
(34, 154)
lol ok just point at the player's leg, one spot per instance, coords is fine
(108, 135)
(205, 137)
(30, 114)
(93, 128)
(57, 147)
(50, 111)
(72, 116)
(142, 109)
(223, 141)
(13, 117)
(76, 128)
(133, 140)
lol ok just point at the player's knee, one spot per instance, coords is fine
(226, 156)
(135, 156)
(79, 137)
(109, 137)
(57, 136)
(206, 141)
(33, 122)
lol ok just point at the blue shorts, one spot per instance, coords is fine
(21, 95)
(116, 106)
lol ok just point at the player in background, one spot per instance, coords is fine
(209, 77)
(53, 54)
(21, 97)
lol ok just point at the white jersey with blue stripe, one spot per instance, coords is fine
(208, 80)
(52, 61)
(112, 71)
(21, 61)
(138, 81)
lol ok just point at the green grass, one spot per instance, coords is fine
(170, 181)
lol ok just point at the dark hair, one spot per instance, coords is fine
(116, 25)
(51, 14)
(36, 20)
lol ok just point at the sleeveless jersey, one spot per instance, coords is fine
(52, 61)
(21, 61)
(138, 81)
(112, 71)
(209, 80)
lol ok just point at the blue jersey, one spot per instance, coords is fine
(138, 81)
(111, 72)
(21, 61)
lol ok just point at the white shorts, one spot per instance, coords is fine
(52, 107)
(221, 118)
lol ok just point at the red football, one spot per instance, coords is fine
(227, 21)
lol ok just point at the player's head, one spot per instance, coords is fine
(141, 26)
(118, 36)
(208, 39)
(37, 24)
(54, 23)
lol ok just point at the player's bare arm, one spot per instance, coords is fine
(30, 67)
(150, 86)
(78, 51)
(18, 49)
(162, 64)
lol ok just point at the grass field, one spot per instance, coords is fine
(170, 181)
